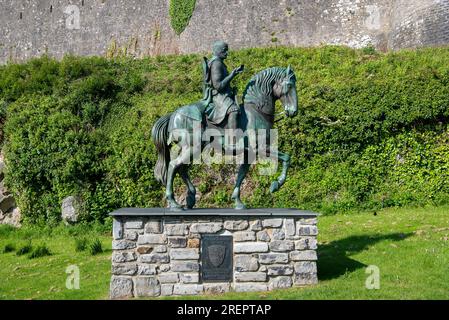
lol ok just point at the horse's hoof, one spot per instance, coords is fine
(274, 186)
(176, 208)
(240, 206)
(190, 201)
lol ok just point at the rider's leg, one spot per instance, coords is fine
(233, 118)
(233, 124)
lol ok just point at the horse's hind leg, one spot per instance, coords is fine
(173, 168)
(191, 191)
(285, 158)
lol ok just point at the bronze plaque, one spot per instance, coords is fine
(216, 258)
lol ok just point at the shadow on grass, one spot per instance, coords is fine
(333, 258)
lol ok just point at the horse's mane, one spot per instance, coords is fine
(261, 84)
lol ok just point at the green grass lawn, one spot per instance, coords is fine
(409, 246)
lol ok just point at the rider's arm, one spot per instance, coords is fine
(219, 81)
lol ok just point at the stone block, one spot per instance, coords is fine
(154, 226)
(117, 229)
(164, 267)
(180, 229)
(270, 258)
(282, 245)
(279, 270)
(123, 244)
(124, 269)
(121, 257)
(272, 222)
(151, 239)
(216, 288)
(305, 267)
(240, 236)
(155, 258)
(184, 254)
(131, 235)
(160, 249)
(166, 289)
(251, 286)
(188, 289)
(121, 287)
(236, 225)
(189, 277)
(306, 230)
(146, 269)
(305, 278)
(177, 242)
(134, 224)
(144, 249)
(184, 266)
(263, 236)
(245, 263)
(147, 287)
(193, 243)
(281, 282)
(250, 276)
(255, 225)
(278, 234)
(290, 227)
(250, 247)
(168, 277)
(306, 255)
(306, 243)
(211, 227)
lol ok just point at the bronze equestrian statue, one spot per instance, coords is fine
(219, 110)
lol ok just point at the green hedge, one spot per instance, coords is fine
(371, 131)
(180, 13)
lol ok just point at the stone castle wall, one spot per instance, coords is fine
(135, 27)
(162, 256)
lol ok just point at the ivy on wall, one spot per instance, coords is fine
(180, 13)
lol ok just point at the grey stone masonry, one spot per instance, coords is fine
(137, 28)
(156, 252)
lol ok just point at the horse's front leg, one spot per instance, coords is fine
(236, 194)
(285, 158)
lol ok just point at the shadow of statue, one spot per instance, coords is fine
(333, 257)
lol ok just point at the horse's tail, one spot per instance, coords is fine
(159, 135)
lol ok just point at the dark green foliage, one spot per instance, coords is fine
(27, 248)
(6, 230)
(95, 247)
(180, 13)
(371, 128)
(80, 244)
(39, 251)
(9, 247)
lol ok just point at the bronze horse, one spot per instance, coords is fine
(257, 113)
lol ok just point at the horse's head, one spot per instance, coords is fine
(272, 84)
(287, 93)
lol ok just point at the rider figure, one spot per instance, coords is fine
(223, 96)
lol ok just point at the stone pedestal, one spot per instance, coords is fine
(157, 252)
